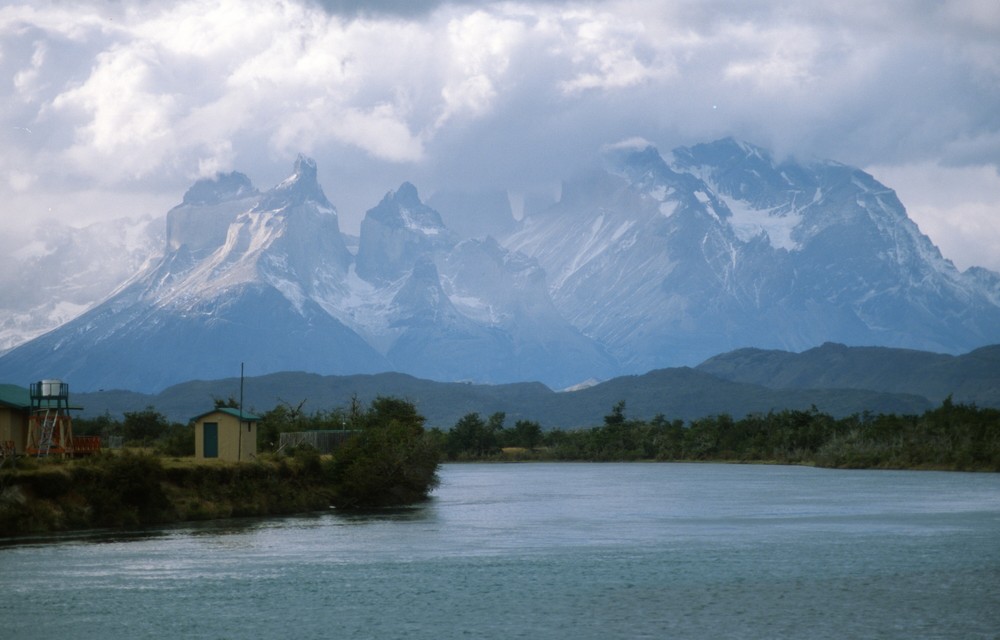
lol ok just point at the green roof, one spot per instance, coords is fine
(12, 395)
(247, 417)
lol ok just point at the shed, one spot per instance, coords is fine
(36, 421)
(226, 434)
(15, 411)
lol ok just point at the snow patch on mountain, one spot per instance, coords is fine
(415, 223)
(748, 223)
(365, 308)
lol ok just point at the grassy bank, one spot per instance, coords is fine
(131, 489)
(389, 462)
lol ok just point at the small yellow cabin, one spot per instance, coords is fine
(225, 434)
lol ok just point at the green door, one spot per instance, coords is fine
(211, 440)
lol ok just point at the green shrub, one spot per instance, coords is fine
(389, 466)
(308, 460)
(124, 490)
(50, 483)
(177, 441)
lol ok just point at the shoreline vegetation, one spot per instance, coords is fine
(393, 460)
(953, 437)
(390, 461)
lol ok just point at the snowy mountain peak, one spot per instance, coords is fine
(739, 169)
(794, 204)
(642, 166)
(403, 208)
(288, 238)
(406, 195)
(305, 165)
(297, 189)
(220, 188)
(396, 232)
(725, 152)
(303, 174)
(635, 160)
(201, 222)
(627, 152)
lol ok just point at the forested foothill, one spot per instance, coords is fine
(838, 380)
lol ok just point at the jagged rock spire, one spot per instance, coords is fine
(300, 187)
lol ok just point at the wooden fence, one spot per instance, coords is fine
(325, 441)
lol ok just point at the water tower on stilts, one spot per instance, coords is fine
(50, 428)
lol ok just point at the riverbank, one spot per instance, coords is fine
(511, 455)
(390, 462)
(951, 437)
(130, 490)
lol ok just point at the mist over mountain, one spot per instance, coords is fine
(475, 214)
(67, 270)
(722, 247)
(649, 261)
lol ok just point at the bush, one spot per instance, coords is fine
(308, 460)
(144, 427)
(177, 441)
(51, 483)
(125, 489)
(392, 462)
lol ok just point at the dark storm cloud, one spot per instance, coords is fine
(402, 8)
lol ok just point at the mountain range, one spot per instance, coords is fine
(832, 378)
(648, 261)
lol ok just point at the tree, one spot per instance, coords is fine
(472, 436)
(617, 415)
(282, 418)
(143, 427)
(526, 433)
(102, 425)
(228, 403)
(177, 441)
(391, 461)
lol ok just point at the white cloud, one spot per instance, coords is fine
(378, 130)
(772, 59)
(26, 80)
(21, 180)
(610, 52)
(142, 97)
(479, 49)
(211, 30)
(127, 118)
(218, 158)
(957, 207)
(635, 143)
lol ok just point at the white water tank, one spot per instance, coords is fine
(52, 389)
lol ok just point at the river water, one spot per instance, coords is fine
(550, 551)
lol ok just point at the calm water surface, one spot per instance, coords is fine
(550, 551)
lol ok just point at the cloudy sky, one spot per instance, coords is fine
(113, 107)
